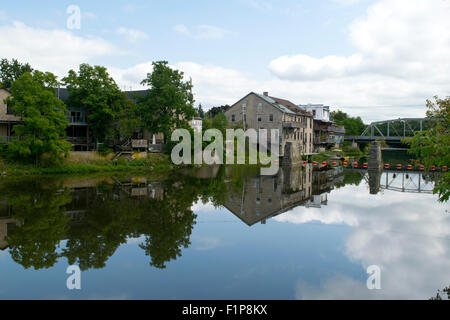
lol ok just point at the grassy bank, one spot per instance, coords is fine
(157, 163)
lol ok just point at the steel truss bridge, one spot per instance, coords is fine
(403, 181)
(391, 130)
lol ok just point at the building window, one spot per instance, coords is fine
(9, 110)
(271, 117)
(244, 117)
(76, 116)
(314, 113)
(259, 107)
(244, 106)
(259, 118)
(233, 118)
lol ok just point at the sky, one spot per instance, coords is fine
(378, 59)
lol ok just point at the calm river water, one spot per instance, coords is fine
(224, 233)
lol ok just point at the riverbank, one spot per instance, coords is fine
(155, 163)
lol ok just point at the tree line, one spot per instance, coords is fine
(111, 114)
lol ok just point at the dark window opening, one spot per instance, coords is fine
(9, 110)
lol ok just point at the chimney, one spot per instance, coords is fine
(266, 94)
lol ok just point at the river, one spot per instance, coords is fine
(224, 233)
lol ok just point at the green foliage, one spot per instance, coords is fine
(12, 70)
(33, 99)
(350, 151)
(200, 111)
(320, 157)
(169, 102)
(104, 150)
(353, 126)
(432, 147)
(108, 108)
(38, 208)
(214, 111)
(219, 122)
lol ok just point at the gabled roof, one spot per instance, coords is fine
(276, 104)
(286, 105)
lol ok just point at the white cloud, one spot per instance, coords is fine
(401, 57)
(54, 50)
(132, 35)
(213, 85)
(201, 32)
(407, 235)
(396, 39)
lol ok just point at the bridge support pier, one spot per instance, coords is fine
(375, 159)
(375, 167)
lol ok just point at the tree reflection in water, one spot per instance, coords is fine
(86, 220)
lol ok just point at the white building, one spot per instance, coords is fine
(319, 111)
(196, 124)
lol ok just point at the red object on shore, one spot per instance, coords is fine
(365, 165)
(410, 166)
(399, 166)
(345, 164)
(314, 163)
(422, 167)
(334, 164)
(355, 165)
(324, 163)
(305, 163)
(433, 168)
(444, 168)
(387, 166)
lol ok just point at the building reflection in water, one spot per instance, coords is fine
(264, 197)
(96, 215)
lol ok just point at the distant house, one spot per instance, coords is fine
(78, 132)
(261, 111)
(326, 132)
(7, 118)
(196, 124)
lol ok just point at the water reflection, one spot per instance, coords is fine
(263, 197)
(85, 221)
(96, 215)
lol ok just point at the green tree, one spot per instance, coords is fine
(432, 147)
(200, 111)
(169, 102)
(216, 110)
(38, 207)
(33, 99)
(12, 70)
(354, 126)
(94, 90)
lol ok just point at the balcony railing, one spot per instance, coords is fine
(292, 124)
(336, 129)
(77, 120)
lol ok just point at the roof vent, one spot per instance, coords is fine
(266, 94)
